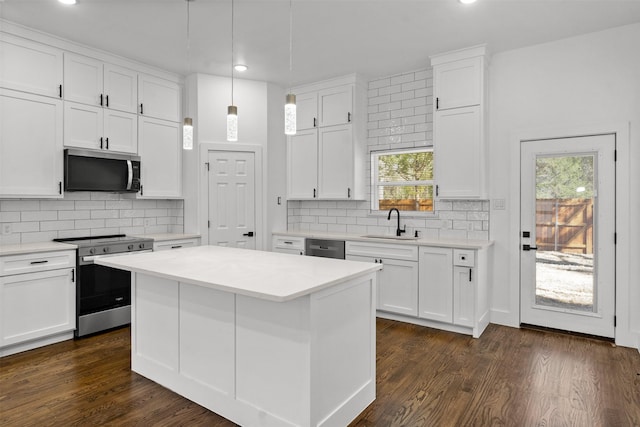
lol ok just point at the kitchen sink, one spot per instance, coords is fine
(389, 236)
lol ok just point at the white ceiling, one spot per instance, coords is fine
(330, 38)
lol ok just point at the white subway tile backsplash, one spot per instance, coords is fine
(89, 204)
(101, 214)
(375, 84)
(57, 205)
(119, 222)
(57, 225)
(9, 216)
(402, 78)
(118, 204)
(388, 90)
(74, 214)
(38, 237)
(19, 205)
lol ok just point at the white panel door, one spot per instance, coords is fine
(335, 152)
(435, 288)
(567, 258)
(161, 153)
(120, 88)
(302, 170)
(458, 84)
(457, 151)
(83, 79)
(30, 67)
(232, 199)
(306, 111)
(120, 131)
(83, 126)
(30, 145)
(336, 105)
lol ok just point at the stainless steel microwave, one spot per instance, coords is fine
(86, 170)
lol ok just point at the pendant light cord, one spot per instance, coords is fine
(290, 43)
(232, 53)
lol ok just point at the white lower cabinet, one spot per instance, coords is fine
(464, 291)
(288, 245)
(37, 307)
(398, 280)
(166, 245)
(435, 292)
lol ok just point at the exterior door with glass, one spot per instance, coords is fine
(567, 240)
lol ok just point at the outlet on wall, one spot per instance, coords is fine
(7, 229)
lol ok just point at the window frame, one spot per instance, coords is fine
(375, 181)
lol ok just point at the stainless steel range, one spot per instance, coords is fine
(103, 294)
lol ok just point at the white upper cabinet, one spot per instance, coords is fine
(159, 98)
(30, 67)
(121, 132)
(306, 110)
(327, 157)
(459, 117)
(161, 153)
(92, 82)
(458, 84)
(335, 105)
(30, 145)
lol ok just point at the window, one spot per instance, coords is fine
(402, 180)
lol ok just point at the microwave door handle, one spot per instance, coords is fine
(129, 174)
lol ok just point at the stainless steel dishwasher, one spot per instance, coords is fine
(324, 248)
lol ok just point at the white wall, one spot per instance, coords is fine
(573, 83)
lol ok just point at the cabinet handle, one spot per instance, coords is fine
(380, 260)
(314, 122)
(107, 143)
(142, 190)
(469, 274)
(176, 247)
(375, 260)
(73, 275)
(437, 103)
(288, 243)
(101, 100)
(59, 187)
(314, 193)
(437, 190)
(60, 91)
(101, 142)
(107, 100)
(348, 193)
(39, 262)
(349, 117)
(141, 109)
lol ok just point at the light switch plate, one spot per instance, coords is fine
(499, 204)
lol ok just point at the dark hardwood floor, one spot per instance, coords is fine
(508, 377)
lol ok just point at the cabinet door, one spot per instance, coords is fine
(159, 98)
(83, 126)
(120, 88)
(161, 154)
(458, 84)
(35, 305)
(335, 105)
(336, 167)
(83, 79)
(306, 111)
(435, 287)
(464, 296)
(120, 131)
(30, 145)
(302, 159)
(168, 245)
(458, 154)
(29, 66)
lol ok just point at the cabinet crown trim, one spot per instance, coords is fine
(456, 55)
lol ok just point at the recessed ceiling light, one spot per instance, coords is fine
(67, 1)
(240, 67)
(467, 1)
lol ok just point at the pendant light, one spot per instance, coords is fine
(290, 100)
(187, 126)
(232, 110)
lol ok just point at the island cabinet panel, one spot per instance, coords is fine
(255, 361)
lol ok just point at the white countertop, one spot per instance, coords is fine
(442, 243)
(163, 237)
(27, 248)
(265, 275)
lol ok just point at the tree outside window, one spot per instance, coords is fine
(403, 180)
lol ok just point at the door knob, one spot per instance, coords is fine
(249, 234)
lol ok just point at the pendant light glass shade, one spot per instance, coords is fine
(232, 123)
(290, 115)
(187, 134)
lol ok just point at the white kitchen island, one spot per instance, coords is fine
(261, 338)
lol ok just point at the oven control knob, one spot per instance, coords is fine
(105, 250)
(130, 247)
(141, 246)
(92, 251)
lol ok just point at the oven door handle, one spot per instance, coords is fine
(91, 258)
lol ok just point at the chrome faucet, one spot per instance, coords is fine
(399, 230)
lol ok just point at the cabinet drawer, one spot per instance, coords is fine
(376, 250)
(286, 242)
(464, 257)
(175, 244)
(30, 263)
